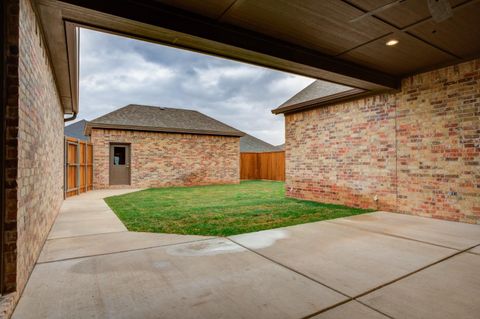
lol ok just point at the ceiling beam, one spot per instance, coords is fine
(189, 24)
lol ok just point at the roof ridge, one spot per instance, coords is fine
(158, 118)
(160, 107)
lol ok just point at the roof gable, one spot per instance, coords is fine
(162, 119)
(315, 90)
(318, 93)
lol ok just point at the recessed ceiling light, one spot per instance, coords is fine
(391, 42)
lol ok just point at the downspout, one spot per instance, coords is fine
(73, 117)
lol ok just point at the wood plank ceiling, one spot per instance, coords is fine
(342, 41)
(326, 26)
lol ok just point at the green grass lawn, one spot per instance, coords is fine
(219, 210)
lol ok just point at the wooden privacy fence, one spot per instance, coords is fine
(78, 166)
(268, 165)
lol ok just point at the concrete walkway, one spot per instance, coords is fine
(378, 265)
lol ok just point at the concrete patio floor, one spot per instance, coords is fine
(377, 265)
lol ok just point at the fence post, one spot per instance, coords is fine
(85, 168)
(77, 167)
(65, 175)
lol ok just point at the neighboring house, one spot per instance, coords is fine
(148, 146)
(248, 143)
(281, 147)
(412, 151)
(251, 144)
(76, 130)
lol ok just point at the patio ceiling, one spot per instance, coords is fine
(338, 41)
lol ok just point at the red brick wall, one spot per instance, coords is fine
(344, 153)
(35, 133)
(418, 150)
(164, 159)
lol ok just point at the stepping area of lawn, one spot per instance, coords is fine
(219, 210)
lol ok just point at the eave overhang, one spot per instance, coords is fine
(344, 96)
(62, 38)
(90, 125)
(159, 23)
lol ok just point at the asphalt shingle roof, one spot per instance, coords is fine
(250, 143)
(162, 119)
(314, 91)
(76, 130)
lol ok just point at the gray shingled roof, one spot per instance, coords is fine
(314, 91)
(162, 119)
(76, 130)
(249, 143)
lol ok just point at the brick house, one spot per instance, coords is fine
(415, 151)
(147, 146)
(248, 143)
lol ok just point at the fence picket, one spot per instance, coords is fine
(78, 166)
(267, 165)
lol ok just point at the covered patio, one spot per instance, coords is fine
(376, 265)
(402, 137)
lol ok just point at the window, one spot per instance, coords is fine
(119, 156)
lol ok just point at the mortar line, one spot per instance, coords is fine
(391, 235)
(124, 251)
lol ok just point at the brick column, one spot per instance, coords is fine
(10, 147)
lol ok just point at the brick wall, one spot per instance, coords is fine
(35, 126)
(8, 300)
(417, 150)
(438, 132)
(343, 153)
(11, 132)
(164, 159)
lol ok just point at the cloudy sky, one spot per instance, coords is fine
(116, 71)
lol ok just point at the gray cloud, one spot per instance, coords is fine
(116, 71)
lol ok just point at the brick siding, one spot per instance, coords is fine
(343, 153)
(418, 150)
(438, 133)
(165, 159)
(10, 151)
(35, 150)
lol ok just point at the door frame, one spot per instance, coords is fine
(128, 158)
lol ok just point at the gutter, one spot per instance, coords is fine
(73, 117)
